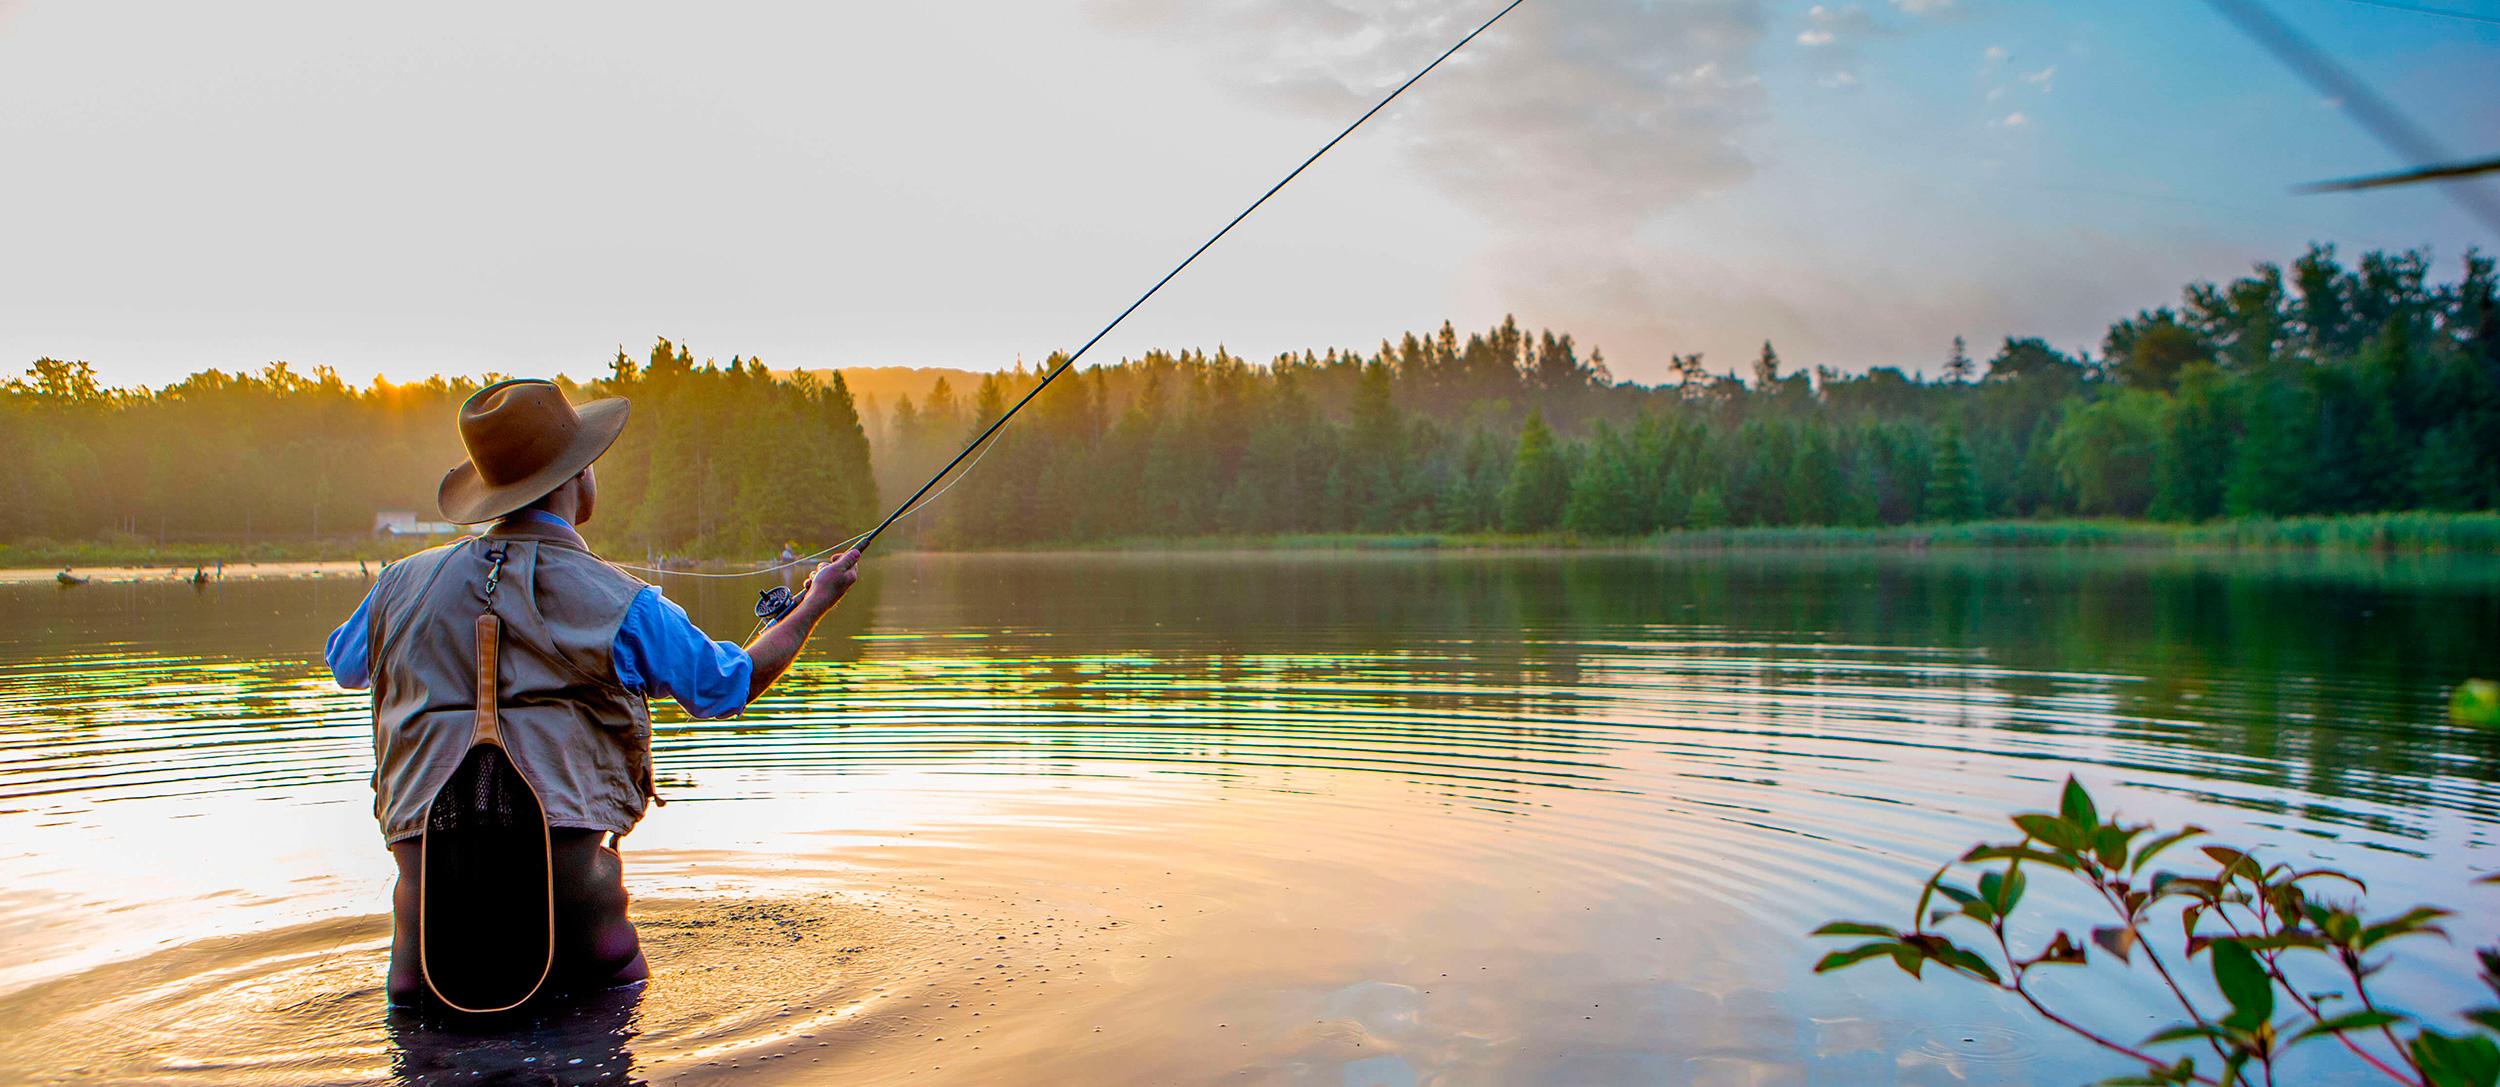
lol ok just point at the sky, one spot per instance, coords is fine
(465, 188)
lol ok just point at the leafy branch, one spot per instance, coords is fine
(2258, 926)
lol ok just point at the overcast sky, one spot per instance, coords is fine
(408, 189)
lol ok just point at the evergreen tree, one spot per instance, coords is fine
(1540, 481)
(1952, 488)
(1958, 367)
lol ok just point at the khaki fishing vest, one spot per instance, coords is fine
(583, 741)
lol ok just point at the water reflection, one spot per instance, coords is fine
(578, 1042)
(1270, 819)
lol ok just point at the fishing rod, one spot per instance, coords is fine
(1064, 364)
(777, 601)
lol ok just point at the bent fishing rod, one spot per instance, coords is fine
(777, 601)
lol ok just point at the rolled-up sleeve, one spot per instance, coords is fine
(350, 647)
(660, 653)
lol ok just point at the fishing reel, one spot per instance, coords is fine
(773, 603)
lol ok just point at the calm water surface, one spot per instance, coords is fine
(1354, 820)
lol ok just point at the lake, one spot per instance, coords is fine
(1368, 819)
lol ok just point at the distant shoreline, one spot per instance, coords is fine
(2394, 533)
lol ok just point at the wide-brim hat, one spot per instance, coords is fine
(524, 440)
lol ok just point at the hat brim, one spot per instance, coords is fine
(467, 499)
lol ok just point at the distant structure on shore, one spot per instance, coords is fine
(405, 523)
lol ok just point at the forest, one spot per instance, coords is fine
(2319, 389)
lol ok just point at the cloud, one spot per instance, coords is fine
(1582, 116)
(1574, 125)
(1999, 81)
(1829, 25)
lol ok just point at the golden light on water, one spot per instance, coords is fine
(1442, 818)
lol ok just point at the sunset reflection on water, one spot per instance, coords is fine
(1271, 819)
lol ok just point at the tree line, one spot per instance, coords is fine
(719, 458)
(2317, 389)
(2324, 390)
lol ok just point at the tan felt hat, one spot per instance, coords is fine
(524, 440)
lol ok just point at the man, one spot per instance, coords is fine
(582, 646)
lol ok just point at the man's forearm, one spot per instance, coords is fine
(773, 651)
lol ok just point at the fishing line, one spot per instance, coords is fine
(981, 443)
(1176, 270)
(813, 556)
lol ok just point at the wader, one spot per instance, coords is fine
(485, 874)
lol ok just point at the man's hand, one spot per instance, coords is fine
(773, 650)
(826, 585)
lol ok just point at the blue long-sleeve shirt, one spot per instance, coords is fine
(659, 653)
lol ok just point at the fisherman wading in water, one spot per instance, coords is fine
(511, 675)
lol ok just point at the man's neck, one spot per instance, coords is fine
(540, 523)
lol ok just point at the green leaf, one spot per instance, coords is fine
(1855, 955)
(1909, 960)
(2183, 1032)
(2001, 890)
(2233, 861)
(2155, 847)
(1853, 928)
(1951, 954)
(2330, 873)
(2076, 806)
(2492, 878)
(2487, 1018)
(2109, 845)
(2362, 1020)
(2456, 1062)
(2416, 921)
(2156, 1075)
(2244, 983)
(2017, 853)
(2182, 1072)
(2051, 831)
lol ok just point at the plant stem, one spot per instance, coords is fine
(2361, 990)
(2127, 916)
(2274, 969)
(2017, 971)
(2150, 1061)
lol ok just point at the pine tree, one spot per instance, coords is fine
(1540, 481)
(1957, 366)
(1952, 488)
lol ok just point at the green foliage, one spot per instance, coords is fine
(1540, 481)
(2105, 450)
(1952, 489)
(717, 458)
(2258, 925)
(2476, 702)
(2313, 409)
